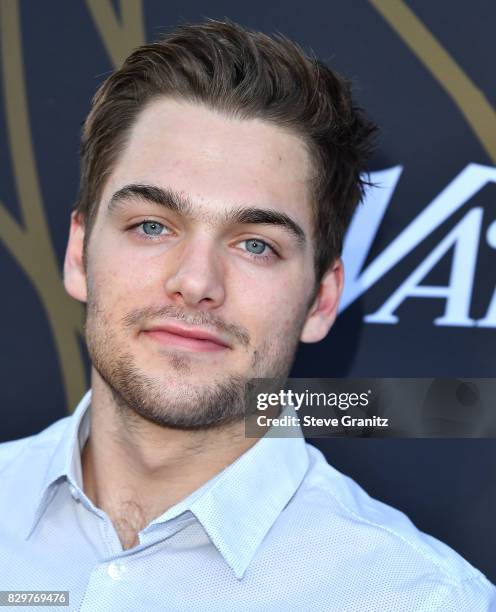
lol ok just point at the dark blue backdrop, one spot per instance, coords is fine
(425, 72)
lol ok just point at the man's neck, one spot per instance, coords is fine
(135, 470)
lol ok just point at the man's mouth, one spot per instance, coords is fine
(189, 338)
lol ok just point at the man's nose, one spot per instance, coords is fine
(197, 276)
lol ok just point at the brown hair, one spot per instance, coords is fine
(244, 74)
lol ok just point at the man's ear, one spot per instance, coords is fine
(74, 272)
(324, 309)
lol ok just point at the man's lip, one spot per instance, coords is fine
(194, 333)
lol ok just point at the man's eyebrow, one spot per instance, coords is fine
(163, 197)
(267, 216)
(182, 205)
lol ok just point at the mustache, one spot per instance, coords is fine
(201, 319)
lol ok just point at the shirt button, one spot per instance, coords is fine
(74, 492)
(114, 570)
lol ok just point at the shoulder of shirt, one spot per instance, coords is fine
(328, 491)
(41, 442)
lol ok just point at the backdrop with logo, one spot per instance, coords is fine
(420, 298)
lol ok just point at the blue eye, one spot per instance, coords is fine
(255, 246)
(259, 250)
(152, 228)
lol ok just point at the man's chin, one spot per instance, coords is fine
(178, 403)
(176, 361)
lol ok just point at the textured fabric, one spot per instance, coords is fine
(278, 529)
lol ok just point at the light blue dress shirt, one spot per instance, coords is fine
(278, 529)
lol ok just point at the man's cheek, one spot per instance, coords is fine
(276, 321)
(293, 319)
(116, 283)
(106, 302)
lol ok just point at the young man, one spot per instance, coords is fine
(220, 169)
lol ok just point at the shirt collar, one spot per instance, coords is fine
(236, 507)
(65, 460)
(245, 501)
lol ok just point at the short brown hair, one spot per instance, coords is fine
(244, 74)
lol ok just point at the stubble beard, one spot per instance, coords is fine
(191, 406)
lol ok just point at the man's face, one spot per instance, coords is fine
(177, 248)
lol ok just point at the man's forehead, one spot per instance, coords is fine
(216, 162)
(186, 136)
